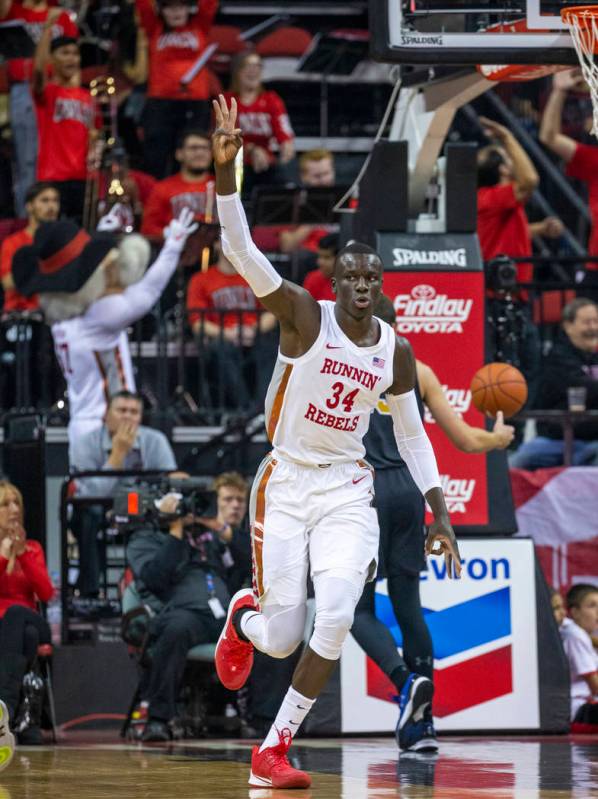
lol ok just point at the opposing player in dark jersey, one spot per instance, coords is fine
(401, 514)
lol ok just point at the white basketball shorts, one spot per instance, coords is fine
(310, 517)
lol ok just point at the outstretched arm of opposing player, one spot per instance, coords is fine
(415, 449)
(295, 309)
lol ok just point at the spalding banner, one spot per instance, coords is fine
(442, 316)
(483, 630)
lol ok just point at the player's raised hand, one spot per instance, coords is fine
(179, 229)
(441, 540)
(569, 80)
(226, 139)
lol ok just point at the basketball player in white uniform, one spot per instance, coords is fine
(311, 503)
(93, 347)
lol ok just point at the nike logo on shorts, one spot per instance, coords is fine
(359, 479)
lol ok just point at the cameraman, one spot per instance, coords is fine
(184, 568)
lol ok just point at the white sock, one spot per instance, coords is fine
(293, 710)
(253, 626)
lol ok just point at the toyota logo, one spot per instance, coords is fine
(423, 292)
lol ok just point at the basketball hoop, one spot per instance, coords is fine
(583, 27)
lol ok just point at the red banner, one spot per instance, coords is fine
(442, 316)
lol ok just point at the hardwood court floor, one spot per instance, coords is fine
(476, 768)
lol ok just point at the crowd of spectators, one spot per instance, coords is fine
(64, 156)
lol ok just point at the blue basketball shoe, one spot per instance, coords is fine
(415, 730)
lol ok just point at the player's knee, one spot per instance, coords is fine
(285, 632)
(331, 627)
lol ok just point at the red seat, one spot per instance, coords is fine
(45, 651)
(548, 308)
(287, 41)
(267, 237)
(228, 39)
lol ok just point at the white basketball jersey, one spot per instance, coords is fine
(318, 406)
(96, 363)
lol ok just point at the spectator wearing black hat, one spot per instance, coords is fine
(91, 291)
(66, 117)
(33, 14)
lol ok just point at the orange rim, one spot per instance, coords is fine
(578, 14)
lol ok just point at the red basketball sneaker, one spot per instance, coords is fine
(234, 657)
(272, 769)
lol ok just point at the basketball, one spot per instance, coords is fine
(499, 387)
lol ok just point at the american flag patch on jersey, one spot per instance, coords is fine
(379, 362)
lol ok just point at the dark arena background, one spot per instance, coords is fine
(458, 141)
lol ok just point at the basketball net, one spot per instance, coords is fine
(583, 27)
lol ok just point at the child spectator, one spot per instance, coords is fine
(582, 603)
(65, 115)
(34, 14)
(263, 119)
(192, 187)
(318, 282)
(176, 96)
(558, 606)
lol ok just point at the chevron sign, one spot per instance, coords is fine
(483, 629)
(487, 675)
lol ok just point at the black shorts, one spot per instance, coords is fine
(401, 510)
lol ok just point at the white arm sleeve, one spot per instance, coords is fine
(240, 249)
(412, 440)
(118, 311)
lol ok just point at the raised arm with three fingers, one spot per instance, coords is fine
(296, 310)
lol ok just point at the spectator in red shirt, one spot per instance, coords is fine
(581, 159)
(231, 333)
(24, 581)
(193, 187)
(42, 203)
(65, 117)
(34, 14)
(178, 92)
(318, 282)
(263, 119)
(506, 181)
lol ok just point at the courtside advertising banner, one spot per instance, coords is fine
(483, 628)
(441, 314)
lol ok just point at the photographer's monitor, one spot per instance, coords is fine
(463, 32)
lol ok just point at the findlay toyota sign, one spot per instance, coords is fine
(447, 251)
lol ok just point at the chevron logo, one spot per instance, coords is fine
(472, 647)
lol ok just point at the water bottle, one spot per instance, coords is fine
(55, 611)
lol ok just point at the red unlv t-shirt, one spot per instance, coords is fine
(584, 166)
(172, 53)
(64, 118)
(262, 121)
(21, 69)
(214, 289)
(170, 196)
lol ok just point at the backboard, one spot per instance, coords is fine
(471, 31)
